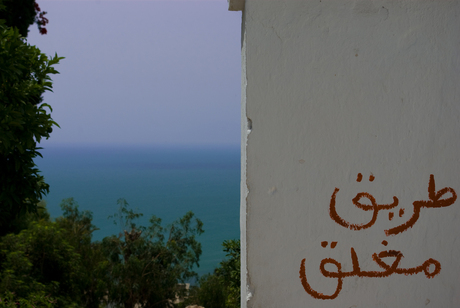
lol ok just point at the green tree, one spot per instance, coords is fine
(24, 122)
(56, 262)
(55, 258)
(222, 288)
(14, 266)
(38, 300)
(23, 222)
(147, 263)
(78, 229)
(39, 260)
(229, 273)
(210, 292)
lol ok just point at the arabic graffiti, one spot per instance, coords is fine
(435, 200)
(387, 270)
(375, 207)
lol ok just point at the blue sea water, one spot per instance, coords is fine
(162, 181)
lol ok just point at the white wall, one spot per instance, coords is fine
(335, 88)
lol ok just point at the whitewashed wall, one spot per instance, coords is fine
(350, 100)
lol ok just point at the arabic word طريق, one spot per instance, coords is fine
(435, 200)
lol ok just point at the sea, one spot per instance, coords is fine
(165, 181)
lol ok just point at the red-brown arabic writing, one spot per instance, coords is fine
(387, 271)
(373, 207)
(434, 201)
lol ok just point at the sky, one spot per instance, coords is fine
(143, 72)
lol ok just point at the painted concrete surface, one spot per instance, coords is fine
(351, 142)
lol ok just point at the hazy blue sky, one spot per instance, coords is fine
(143, 72)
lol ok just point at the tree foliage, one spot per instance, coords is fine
(57, 264)
(24, 122)
(78, 229)
(141, 267)
(40, 260)
(222, 288)
(21, 14)
(39, 300)
(146, 263)
(229, 273)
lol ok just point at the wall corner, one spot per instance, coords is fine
(235, 5)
